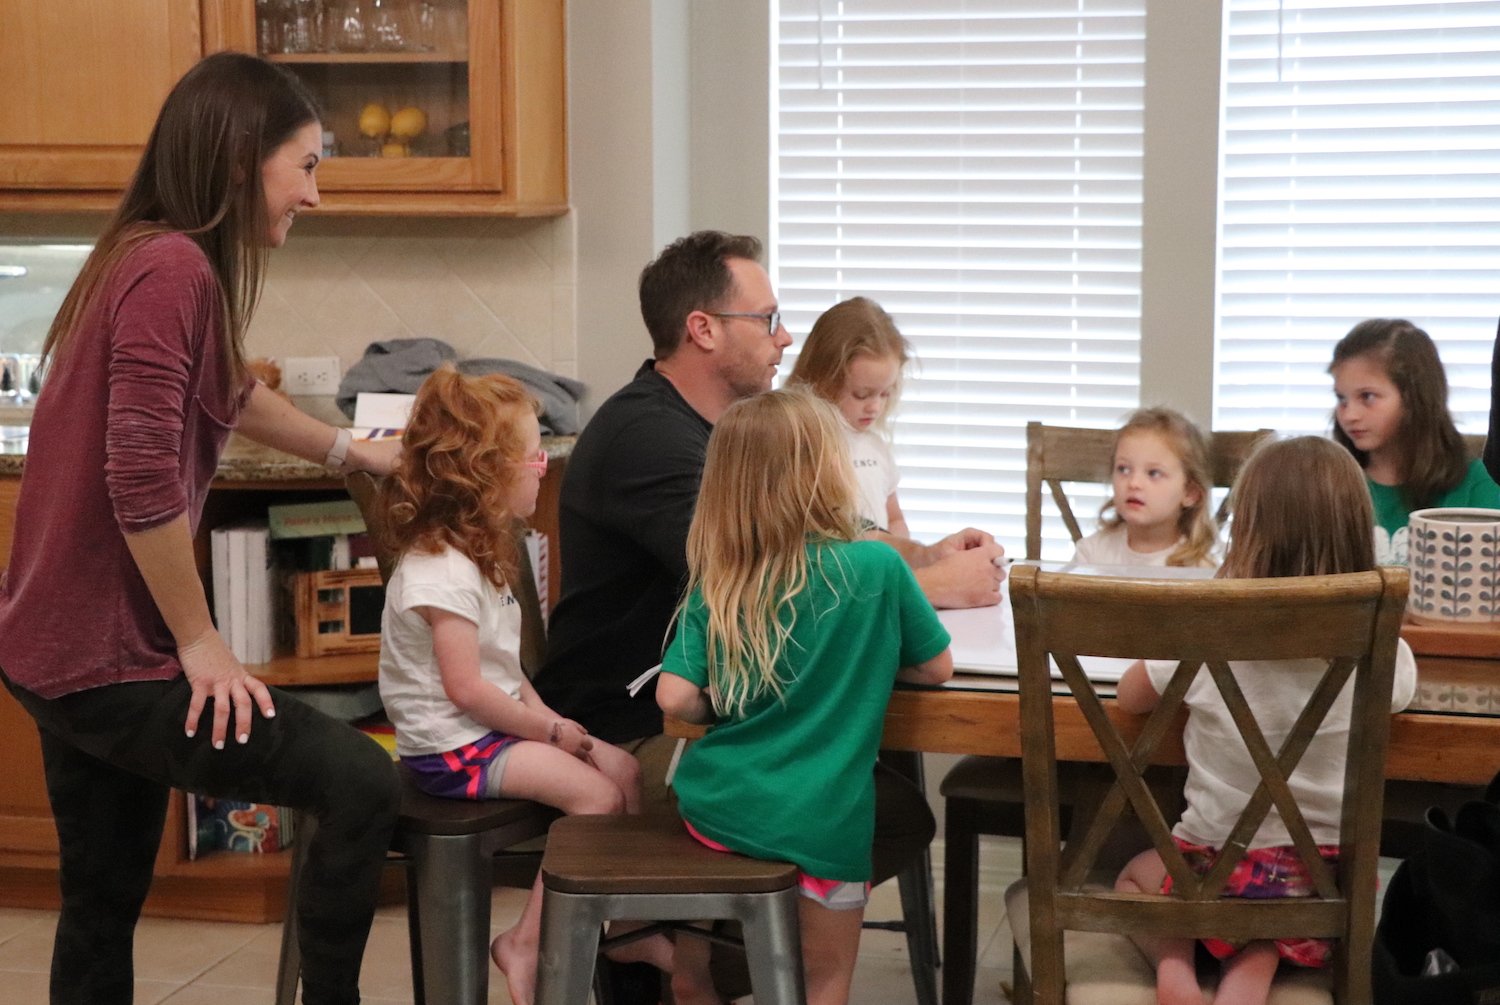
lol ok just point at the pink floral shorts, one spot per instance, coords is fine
(1263, 874)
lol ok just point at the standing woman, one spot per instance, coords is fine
(105, 634)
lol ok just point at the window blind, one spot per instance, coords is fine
(1359, 180)
(975, 168)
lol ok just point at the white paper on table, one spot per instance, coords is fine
(381, 410)
(984, 638)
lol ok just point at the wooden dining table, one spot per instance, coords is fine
(1450, 734)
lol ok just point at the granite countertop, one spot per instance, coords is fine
(243, 460)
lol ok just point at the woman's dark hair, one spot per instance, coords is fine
(200, 176)
(1433, 457)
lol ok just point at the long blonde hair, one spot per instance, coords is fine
(777, 478)
(845, 332)
(1195, 524)
(1301, 508)
(460, 455)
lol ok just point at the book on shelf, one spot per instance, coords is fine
(244, 602)
(230, 825)
(315, 519)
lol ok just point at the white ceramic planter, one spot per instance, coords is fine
(1454, 557)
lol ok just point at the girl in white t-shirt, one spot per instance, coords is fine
(1300, 509)
(1158, 512)
(468, 723)
(853, 357)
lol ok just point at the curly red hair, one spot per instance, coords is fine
(461, 455)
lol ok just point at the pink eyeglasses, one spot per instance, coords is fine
(539, 465)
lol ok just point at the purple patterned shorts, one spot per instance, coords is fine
(471, 772)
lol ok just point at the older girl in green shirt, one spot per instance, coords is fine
(1392, 415)
(790, 640)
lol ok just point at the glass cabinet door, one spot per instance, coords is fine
(398, 84)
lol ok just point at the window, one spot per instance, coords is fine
(1359, 180)
(976, 170)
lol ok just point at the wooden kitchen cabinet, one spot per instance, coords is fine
(487, 75)
(80, 85)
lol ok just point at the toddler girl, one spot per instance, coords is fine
(1300, 509)
(789, 641)
(854, 357)
(1158, 513)
(468, 723)
(1392, 415)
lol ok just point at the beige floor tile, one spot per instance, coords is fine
(29, 950)
(13, 921)
(24, 987)
(180, 951)
(252, 965)
(212, 994)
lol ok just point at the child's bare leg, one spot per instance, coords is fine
(830, 944)
(545, 774)
(692, 983)
(515, 950)
(1176, 976)
(1247, 975)
(621, 768)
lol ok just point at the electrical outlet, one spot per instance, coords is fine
(310, 375)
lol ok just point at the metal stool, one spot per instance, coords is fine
(603, 868)
(449, 845)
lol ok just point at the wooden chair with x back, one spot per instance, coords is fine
(982, 795)
(1345, 624)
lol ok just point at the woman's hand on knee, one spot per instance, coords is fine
(213, 672)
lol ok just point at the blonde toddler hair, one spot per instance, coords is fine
(1195, 524)
(846, 331)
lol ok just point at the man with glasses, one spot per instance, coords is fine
(627, 501)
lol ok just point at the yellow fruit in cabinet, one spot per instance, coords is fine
(408, 123)
(374, 121)
(395, 149)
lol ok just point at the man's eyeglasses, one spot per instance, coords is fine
(538, 464)
(772, 319)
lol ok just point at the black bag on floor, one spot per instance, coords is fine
(1445, 898)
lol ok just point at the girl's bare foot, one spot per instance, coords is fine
(517, 961)
(656, 950)
(1177, 983)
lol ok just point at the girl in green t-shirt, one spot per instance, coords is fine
(790, 639)
(1392, 415)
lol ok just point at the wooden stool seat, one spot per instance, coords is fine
(598, 869)
(624, 854)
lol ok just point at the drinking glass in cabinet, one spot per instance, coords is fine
(386, 27)
(346, 26)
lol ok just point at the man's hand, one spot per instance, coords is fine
(967, 539)
(965, 577)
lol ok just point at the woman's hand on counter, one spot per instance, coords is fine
(213, 672)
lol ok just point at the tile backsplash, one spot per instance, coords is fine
(488, 287)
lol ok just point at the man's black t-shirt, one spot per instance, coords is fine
(627, 500)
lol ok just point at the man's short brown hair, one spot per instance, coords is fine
(691, 274)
